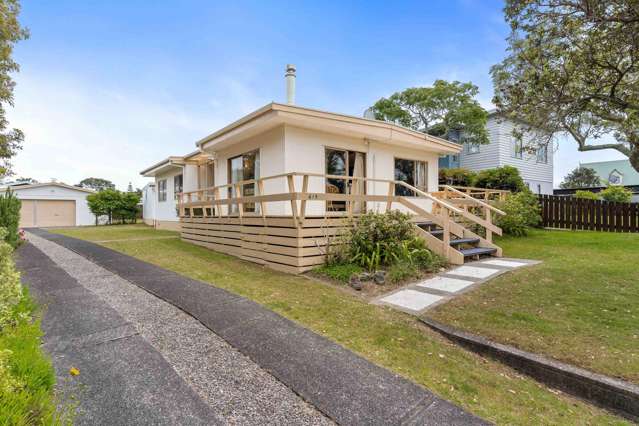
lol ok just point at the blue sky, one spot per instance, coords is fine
(108, 88)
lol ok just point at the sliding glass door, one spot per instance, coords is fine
(345, 163)
(244, 167)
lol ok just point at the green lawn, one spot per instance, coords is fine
(581, 305)
(116, 232)
(386, 337)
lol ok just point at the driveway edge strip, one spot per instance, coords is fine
(343, 385)
(618, 396)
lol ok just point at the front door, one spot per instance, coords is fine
(345, 163)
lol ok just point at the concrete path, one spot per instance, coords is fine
(341, 385)
(141, 359)
(418, 298)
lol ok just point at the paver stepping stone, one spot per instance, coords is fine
(506, 263)
(450, 285)
(473, 272)
(411, 299)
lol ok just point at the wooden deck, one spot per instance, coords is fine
(298, 242)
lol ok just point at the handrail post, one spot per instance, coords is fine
(260, 188)
(489, 233)
(291, 190)
(391, 193)
(446, 235)
(238, 196)
(303, 202)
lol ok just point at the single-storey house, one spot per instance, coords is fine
(275, 186)
(52, 204)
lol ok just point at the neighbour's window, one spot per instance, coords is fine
(472, 148)
(177, 185)
(542, 154)
(414, 173)
(162, 190)
(518, 148)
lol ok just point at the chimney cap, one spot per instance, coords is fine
(290, 69)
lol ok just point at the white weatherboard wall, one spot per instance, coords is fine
(305, 152)
(83, 215)
(166, 211)
(500, 152)
(148, 204)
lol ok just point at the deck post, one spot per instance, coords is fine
(446, 235)
(391, 193)
(260, 188)
(291, 189)
(489, 233)
(303, 202)
(238, 196)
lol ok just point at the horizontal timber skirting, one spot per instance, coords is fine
(276, 242)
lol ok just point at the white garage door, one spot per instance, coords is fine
(47, 213)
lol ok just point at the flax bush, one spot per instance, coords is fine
(384, 240)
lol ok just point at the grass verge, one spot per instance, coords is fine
(386, 337)
(26, 374)
(581, 305)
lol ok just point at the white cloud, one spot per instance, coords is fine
(75, 129)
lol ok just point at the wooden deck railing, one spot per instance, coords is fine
(249, 198)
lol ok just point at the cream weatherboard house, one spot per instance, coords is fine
(276, 186)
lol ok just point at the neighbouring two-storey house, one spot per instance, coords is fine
(536, 168)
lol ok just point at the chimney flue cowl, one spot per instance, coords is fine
(290, 84)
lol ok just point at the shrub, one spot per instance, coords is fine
(10, 217)
(586, 195)
(457, 177)
(506, 177)
(114, 204)
(617, 194)
(10, 287)
(376, 240)
(522, 212)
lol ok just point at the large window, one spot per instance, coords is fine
(177, 185)
(162, 190)
(244, 167)
(414, 173)
(345, 163)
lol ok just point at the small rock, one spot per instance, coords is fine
(442, 269)
(355, 282)
(365, 276)
(379, 277)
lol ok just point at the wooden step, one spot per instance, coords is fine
(477, 251)
(460, 241)
(437, 232)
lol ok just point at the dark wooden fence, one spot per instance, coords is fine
(594, 215)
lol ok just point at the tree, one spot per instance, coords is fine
(617, 194)
(114, 204)
(573, 68)
(581, 177)
(96, 183)
(10, 33)
(443, 110)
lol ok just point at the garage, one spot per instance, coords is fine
(52, 204)
(45, 213)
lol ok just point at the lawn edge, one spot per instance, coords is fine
(618, 396)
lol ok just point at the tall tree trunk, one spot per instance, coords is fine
(634, 157)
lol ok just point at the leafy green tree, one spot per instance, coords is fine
(572, 68)
(114, 204)
(581, 177)
(10, 33)
(506, 178)
(98, 184)
(617, 194)
(443, 110)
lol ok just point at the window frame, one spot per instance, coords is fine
(517, 148)
(178, 189)
(472, 148)
(544, 149)
(415, 174)
(252, 208)
(162, 196)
